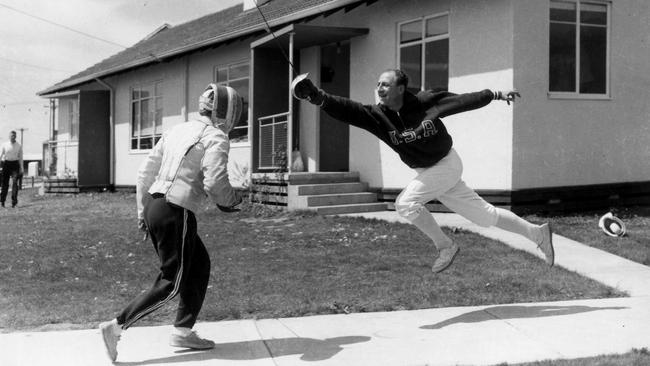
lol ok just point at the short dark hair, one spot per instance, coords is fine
(14, 132)
(400, 77)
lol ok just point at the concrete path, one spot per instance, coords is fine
(479, 335)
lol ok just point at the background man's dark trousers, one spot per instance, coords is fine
(10, 169)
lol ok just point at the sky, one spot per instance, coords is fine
(43, 42)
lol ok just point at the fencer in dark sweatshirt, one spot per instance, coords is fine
(416, 132)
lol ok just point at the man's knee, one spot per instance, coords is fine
(409, 210)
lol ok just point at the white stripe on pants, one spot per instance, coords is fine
(443, 182)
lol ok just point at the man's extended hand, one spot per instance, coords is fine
(142, 226)
(228, 209)
(508, 96)
(232, 208)
(302, 88)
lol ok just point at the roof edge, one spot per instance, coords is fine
(174, 52)
(163, 27)
(60, 94)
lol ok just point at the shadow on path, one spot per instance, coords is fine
(311, 350)
(516, 312)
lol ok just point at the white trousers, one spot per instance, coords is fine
(443, 182)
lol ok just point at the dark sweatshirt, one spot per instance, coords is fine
(416, 132)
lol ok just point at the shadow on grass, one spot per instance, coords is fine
(516, 312)
(311, 350)
(20, 205)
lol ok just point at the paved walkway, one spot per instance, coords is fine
(479, 335)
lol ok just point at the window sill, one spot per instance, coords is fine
(576, 96)
(68, 141)
(139, 152)
(240, 144)
(232, 145)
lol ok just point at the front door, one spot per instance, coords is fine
(334, 135)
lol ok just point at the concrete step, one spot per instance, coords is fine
(330, 188)
(62, 190)
(343, 209)
(338, 199)
(60, 183)
(322, 177)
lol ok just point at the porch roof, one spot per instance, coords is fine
(310, 35)
(208, 31)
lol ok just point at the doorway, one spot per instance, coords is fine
(334, 135)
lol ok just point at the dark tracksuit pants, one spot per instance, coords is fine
(10, 169)
(184, 265)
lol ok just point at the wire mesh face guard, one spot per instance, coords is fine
(225, 105)
(612, 225)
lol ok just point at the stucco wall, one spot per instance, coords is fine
(67, 150)
(567, 142)
(201, 73)
(480, 57)
(172, 74)
(309, 114)
(63, 126)
(496, 44)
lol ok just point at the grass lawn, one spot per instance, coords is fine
(70, 261)
(636, 357)
(583, 227)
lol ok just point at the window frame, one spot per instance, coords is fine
(608, 31)
(157, 86)
(422, 42)
(228, 66)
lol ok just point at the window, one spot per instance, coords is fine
(578, 50)
(146, 115)
(73, 120)
(424, 52)
(237, 77)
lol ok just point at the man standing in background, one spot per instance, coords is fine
(11, 156)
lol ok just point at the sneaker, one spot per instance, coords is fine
(191, 340)
(110, 336)
(445, 257)
(546, 246)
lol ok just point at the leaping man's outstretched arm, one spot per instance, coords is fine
(339, 108)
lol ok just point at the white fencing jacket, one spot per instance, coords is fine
(187, 164)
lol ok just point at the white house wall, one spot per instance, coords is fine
(174, 81)
(127, 161)
(67, 159)
(480, 57)
(495, 44)
(201, 67)
(309, 114)
(568, 142)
